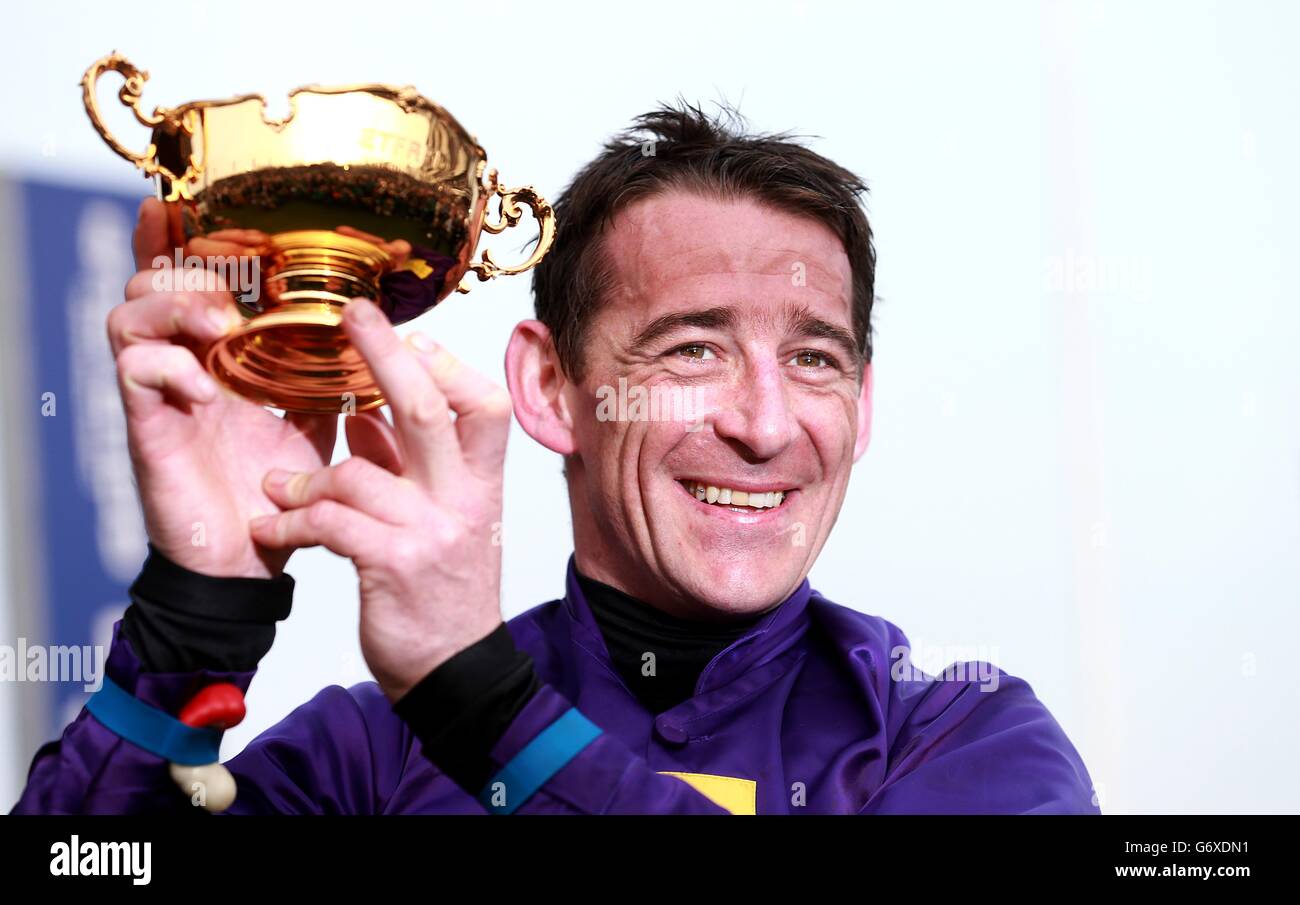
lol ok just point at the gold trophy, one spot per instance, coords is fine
(361, 191)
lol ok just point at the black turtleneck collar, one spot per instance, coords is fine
(634, 630)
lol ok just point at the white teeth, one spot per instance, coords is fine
(725, 496)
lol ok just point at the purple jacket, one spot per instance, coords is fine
(801, 714)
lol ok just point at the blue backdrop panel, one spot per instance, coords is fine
(77, 248)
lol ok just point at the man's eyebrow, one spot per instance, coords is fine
(800, 322)
(804, 323)
(704, 319)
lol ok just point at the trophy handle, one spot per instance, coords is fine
(129, 95)
(488, 268)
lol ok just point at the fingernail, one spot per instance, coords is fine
(277, 477)
(422, 342)
(260, 522)
(297, 486)
(222, 320)
(362, 312)
(207, 388)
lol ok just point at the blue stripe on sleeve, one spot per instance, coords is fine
(153, 730)
(539, 760)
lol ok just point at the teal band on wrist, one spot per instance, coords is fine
(539, 760)
(153, 730)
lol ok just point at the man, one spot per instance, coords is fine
(690, 667)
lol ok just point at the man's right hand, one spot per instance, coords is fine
(199, 452)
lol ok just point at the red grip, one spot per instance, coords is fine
(218, 706)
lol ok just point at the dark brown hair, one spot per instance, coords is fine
(681, 147)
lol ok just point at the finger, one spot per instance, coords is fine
(399, 249)
(356, 483)
(148, 282)
(167, 278)
(372, 437)
(148, 375)
(168, 315)
(327, 524)
(320, 430)
(248, 237)
(483, 408)
(152, 230)
(420, 412)
(211, 247)
(355, 233)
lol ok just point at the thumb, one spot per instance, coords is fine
(320, 430)
(151, 238)
(372, 437)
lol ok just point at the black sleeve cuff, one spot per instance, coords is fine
(461, 709)
(183, 621)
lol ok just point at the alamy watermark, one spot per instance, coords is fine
(1117, 276)
(658, 402)
(75, 858)
(241, 274)
(964, 663)
(82, 663)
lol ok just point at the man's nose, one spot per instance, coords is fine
(755, 412)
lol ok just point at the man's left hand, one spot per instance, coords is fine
(423, 530)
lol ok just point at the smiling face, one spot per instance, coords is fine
(739, 314)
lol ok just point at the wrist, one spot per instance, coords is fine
(460, 710)
(200, 560)
(397, 687)
(181, 620)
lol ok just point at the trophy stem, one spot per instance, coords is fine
(294, 355)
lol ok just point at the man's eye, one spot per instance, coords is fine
(697, 351)
(809, 358)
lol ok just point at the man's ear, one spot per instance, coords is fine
(864, 415)
(536, 384)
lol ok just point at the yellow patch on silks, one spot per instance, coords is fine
(419, 267)
(739, 796)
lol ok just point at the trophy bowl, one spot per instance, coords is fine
(361, 191)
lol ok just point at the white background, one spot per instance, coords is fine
(1096, 487)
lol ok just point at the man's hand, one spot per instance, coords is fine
(423, 531)
(199, 452)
